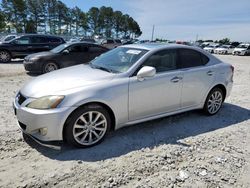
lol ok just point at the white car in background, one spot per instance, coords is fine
(242, 49)
(224, 49)
(211, 48)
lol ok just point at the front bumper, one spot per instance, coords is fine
(238, 53)
(32, 66)
(44, 125)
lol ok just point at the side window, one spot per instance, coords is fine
(54, 40)
(96, 49)
(248, 48)
(163, 61)
(191, 58)
(75, 48)
(23, 40)
(38, 40)
(110, 41)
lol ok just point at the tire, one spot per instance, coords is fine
(214, 101)
(82, 132)
(5, 56)
(49, 67)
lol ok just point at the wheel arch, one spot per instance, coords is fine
(222, 87)
(7, 50)
(108, 108)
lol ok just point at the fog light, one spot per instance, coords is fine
(43, 131)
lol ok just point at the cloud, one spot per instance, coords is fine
(184, 19)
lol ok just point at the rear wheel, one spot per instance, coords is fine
(5, 56)
(88, 126)
(214, 101)
(49, 67)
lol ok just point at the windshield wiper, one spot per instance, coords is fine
(102, 68)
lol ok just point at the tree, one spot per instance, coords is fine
(224, 41)
(93, 20)
(117, 22)
(76, 17)
(84, 22)
(2, 21)
(36, 14)
(16, 13)
(106, 20)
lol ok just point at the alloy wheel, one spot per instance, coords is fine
(89, 128)
(214, 102)
(50, 67)
(4, 56)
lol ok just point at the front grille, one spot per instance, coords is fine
(20, 98)
(22, 125)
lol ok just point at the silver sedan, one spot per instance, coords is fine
(127, 85)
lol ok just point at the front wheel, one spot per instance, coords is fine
(5, 56)
(214, 101)
(88, 126)
(49, 67)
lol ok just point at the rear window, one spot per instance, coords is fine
(192, 58)
(38, 40)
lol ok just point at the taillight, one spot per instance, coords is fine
(232, 68)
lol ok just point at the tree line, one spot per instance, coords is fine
(54, 17)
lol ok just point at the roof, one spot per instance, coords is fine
(155, 46)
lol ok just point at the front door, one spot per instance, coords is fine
(159, 94)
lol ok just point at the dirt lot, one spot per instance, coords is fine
(186, 150)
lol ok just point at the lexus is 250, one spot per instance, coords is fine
(127, 85)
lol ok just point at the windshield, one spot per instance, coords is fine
(242, 46)
(118, 60)
(59, 48)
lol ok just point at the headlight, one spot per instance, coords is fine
(48, 102)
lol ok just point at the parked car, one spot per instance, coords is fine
(27, 44)
(242, 49)
(224, 49)
(111, 43)
(211, 48)
(62, 56)
(127, 85)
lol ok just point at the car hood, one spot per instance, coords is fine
(65, 79)
(239, 49)
(38, 55)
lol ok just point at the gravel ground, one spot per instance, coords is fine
(186, 150)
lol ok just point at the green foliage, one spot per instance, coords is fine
(224, 41)
(53, 16)
(2, 21)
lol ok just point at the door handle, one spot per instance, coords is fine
(176, 79)
(29, 47)
(210, 73)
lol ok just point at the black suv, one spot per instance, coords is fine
(27, 44)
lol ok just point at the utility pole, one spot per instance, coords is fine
(153, 31)
(196, 37)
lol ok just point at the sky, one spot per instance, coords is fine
(183, 19)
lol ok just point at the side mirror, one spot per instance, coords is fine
(65, 52)
(146, 72)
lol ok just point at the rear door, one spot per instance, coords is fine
(197, 77)
(39, 44)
